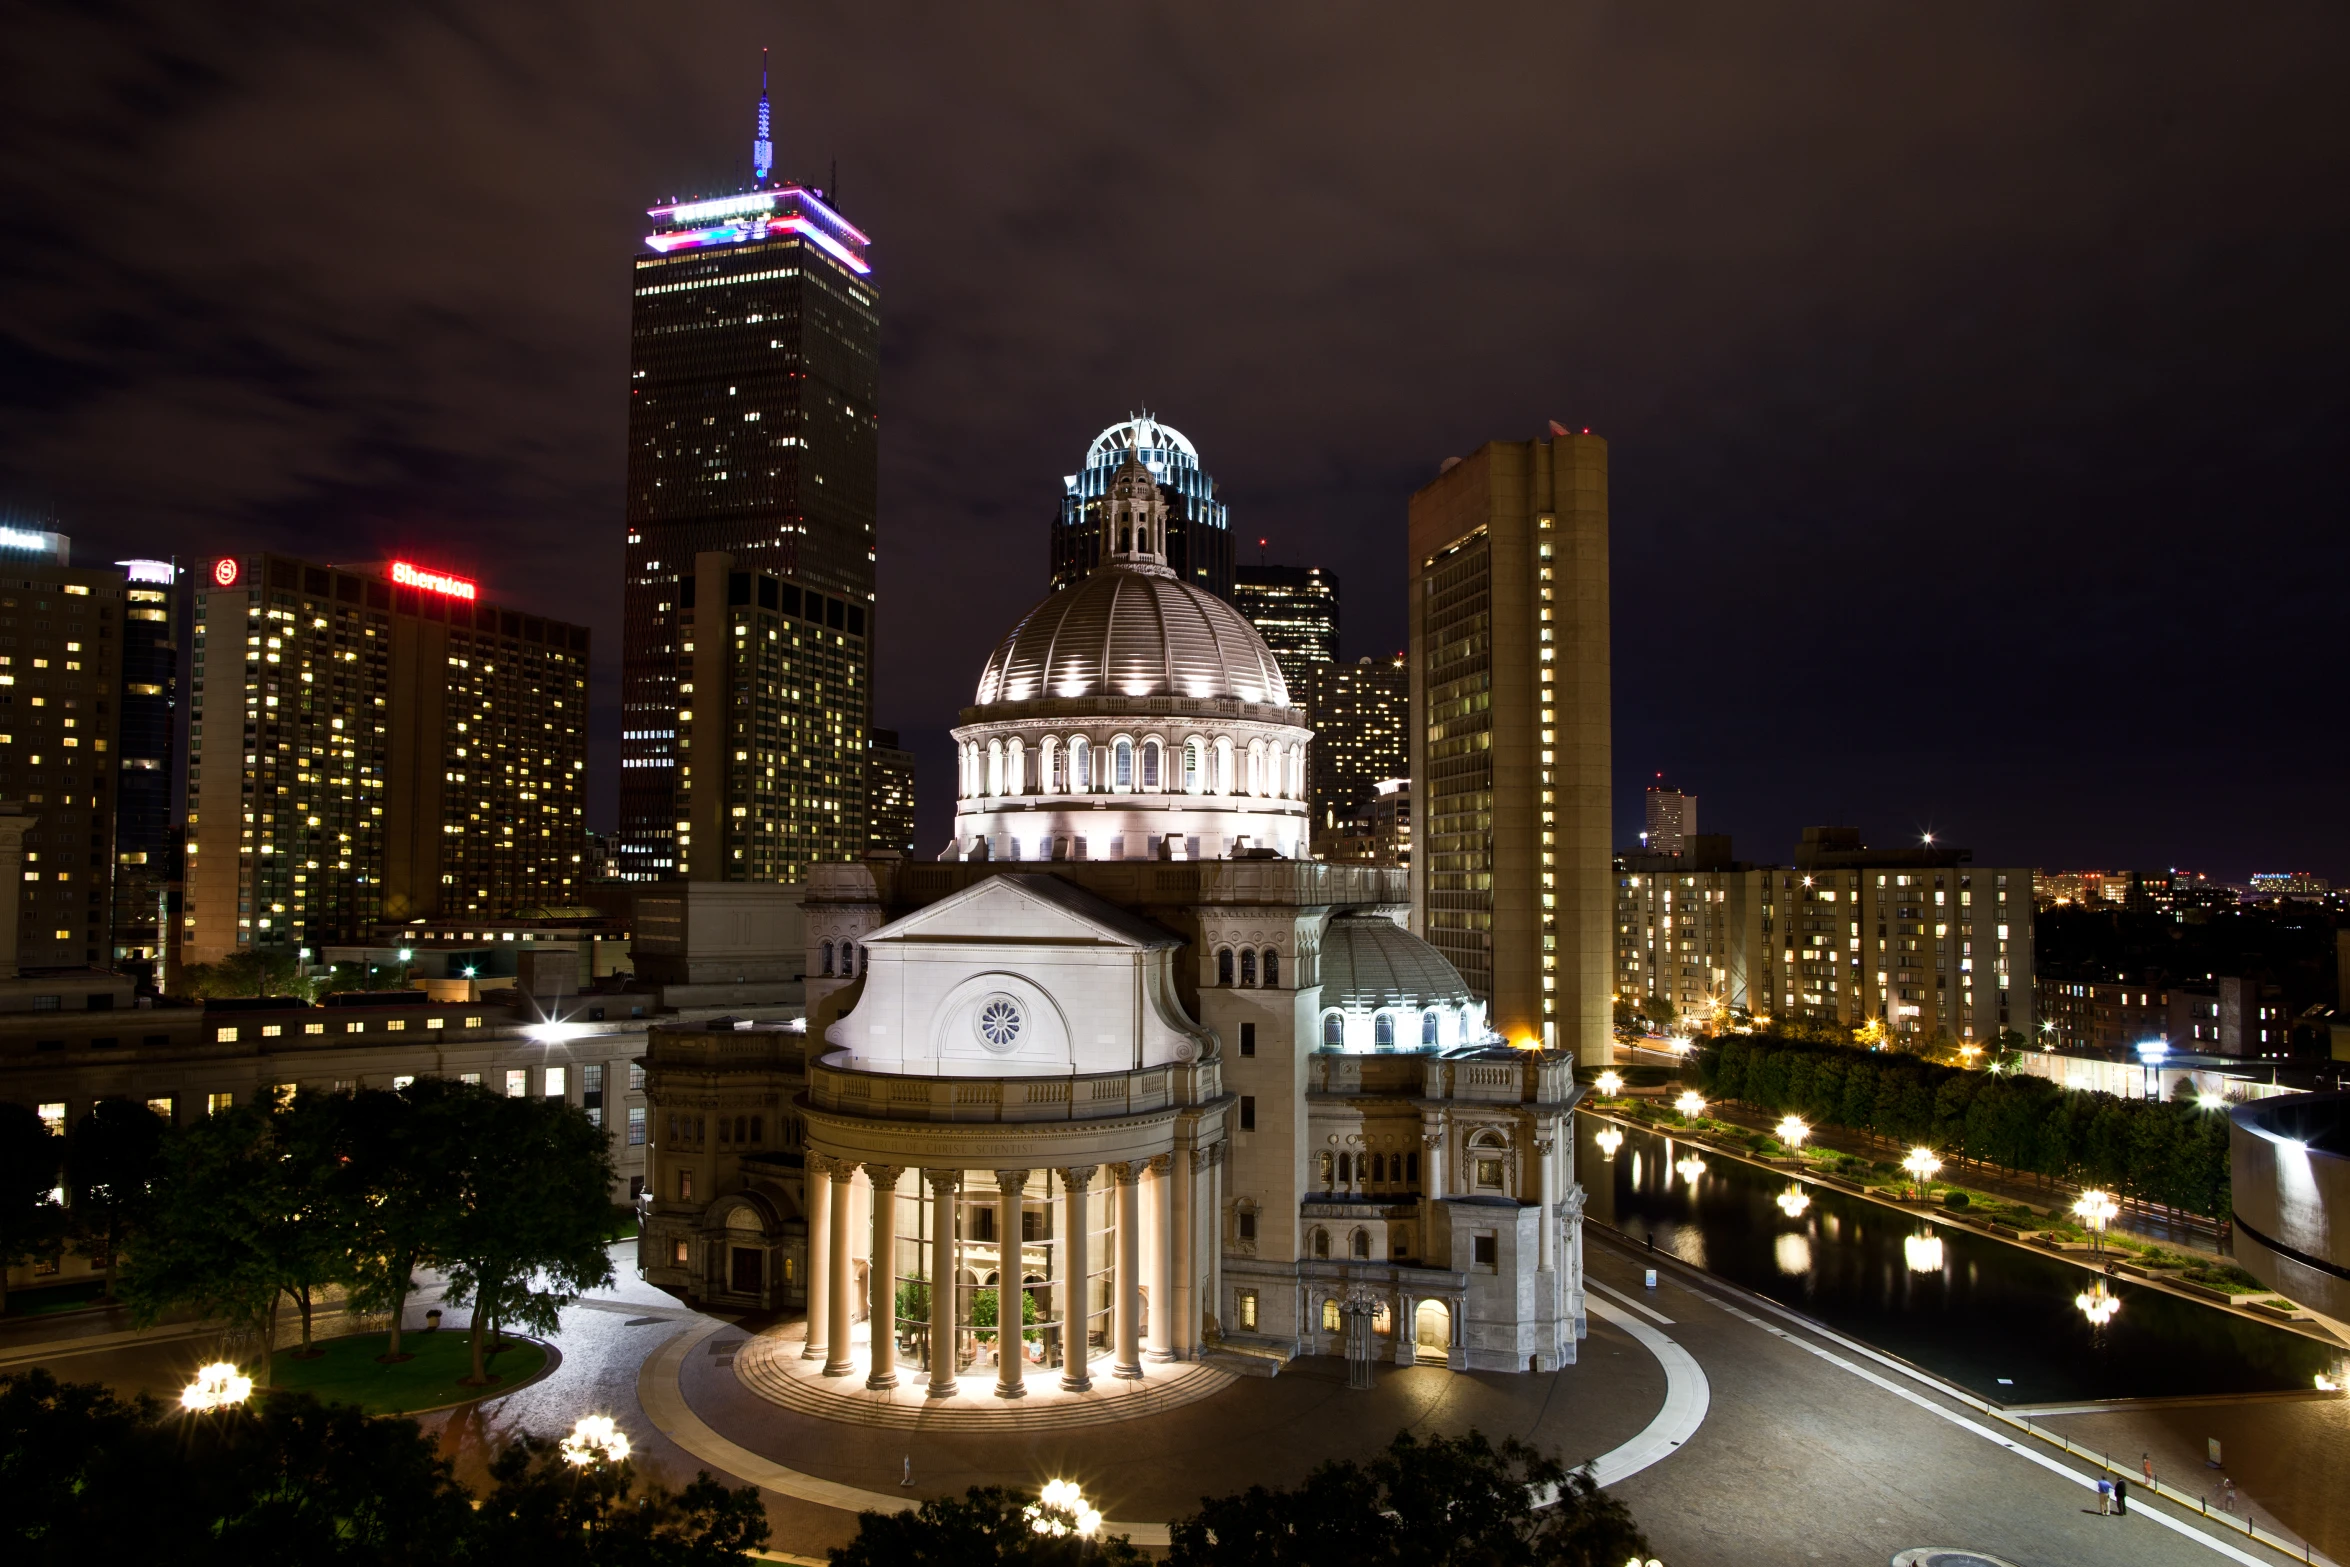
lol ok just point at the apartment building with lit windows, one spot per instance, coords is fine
(61, 631)
(774, 683)
(1512, 871)
(1359, 713)
(1690, 935)
(889, 794)
(373, 743)
(1295, 609)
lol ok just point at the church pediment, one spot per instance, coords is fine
(1017, 909)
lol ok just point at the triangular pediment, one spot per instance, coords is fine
(1026, 907)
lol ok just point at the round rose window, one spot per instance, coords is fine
(999, 1023)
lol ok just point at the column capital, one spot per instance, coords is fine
(942, 1182)
(1011, 1180)
(883, 1176)
(1079, 1176)
(821, 1164)
(1126, 1173)
(1159, 1163)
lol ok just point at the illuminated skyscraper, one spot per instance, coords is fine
(889, 794)
(1295, 609)
(145, 850)
(1672, 820)
(1199, 532)
(1359, 712)
(374, 744)
(754, 370)
(1512, 875)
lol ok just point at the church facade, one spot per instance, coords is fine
(1124, 1065)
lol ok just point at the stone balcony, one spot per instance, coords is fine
(884, 1096)
(1490, 1075)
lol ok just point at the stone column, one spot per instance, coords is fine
(1183, 1310)
(944, 1272)
(1076, 1262)
(1127, 1357)
(1545, 1150)
(883, 1324)
(1407, 1330)
(1011, 1353)
(1158, 1337)
(819, 1188)
(840, 1281)
(1215, 1301)
(1432, 1160)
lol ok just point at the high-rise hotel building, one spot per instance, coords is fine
(60, 711)
(370, 744)
(1512, 872)
(1359, 713)
(1199, 529)
(753, 431)
(146, 855)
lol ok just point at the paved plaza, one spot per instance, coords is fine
(1805, 1449)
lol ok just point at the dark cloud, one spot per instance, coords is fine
(1974, 376)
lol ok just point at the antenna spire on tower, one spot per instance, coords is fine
(763, 144)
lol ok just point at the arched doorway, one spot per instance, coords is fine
(1433, 1330)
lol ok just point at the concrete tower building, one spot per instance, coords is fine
(1671, 820)
(1512, 872)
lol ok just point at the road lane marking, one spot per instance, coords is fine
(1646, 1311)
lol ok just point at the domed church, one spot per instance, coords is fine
(1126, 1049)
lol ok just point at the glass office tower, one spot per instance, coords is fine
(754, 371)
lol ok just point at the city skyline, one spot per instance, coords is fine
(1952, 490)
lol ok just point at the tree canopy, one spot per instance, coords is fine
(113, 1158)
(31, 1223)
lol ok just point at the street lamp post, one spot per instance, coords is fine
(2097, 1209)
(1792, 1132)
(1921, 1164)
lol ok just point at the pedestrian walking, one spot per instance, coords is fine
(908, 1477)
(2121, 1497)
(2104, 1498)
(2227, 1494)
(2148, 1460)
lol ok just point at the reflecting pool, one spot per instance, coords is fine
(2001, 1321)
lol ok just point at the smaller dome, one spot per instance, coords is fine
(1372, 964)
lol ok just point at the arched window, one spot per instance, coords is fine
(1321, 1243)
(827, 970)
(1125, 765)
(1191, 767)
(1378, 1169)
(1224, 965)
(848, 960)
(995, 767)
(1272, 967)
(1048, 766)
(1362, 1243)
(1333, 1031)
(1346, 1169)
(1248, 966)
(1150, 767)
(1015, 768)
(1330, 1323)
(1428, 1027)
(1078, 760)
(1383, 1031)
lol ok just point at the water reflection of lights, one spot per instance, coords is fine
(1792, 1252)
(1609, 1139)
(2098, 1304)
(1923, 1253)
(1691, 1167)
(1793, 1201)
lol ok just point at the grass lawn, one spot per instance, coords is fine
(349, 1373)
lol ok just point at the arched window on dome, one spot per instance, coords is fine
(1256, 768)
(1015, 767)
(1297, 772)
(1192, 759)
(1220, 781)
(1123, 777)
(1248, 965)
(1428, 1029)
(1333, 1031)
(995, 767)
(1048, 765)
(1383, 1031)
(1150, 767)
(1080, 758)
(1224, 965)
(1272, 967)
(827, 969)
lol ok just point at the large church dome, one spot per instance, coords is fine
(1134, 631)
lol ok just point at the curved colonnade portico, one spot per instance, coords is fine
(1079, 1197)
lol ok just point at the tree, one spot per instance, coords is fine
(987, 1524)
(112, 1160)
(1437, 1502)
(284, 1481)
(251, 1209)
(392, 1147)
(1660, 1011)
(31, 1223)
(530, 1197)
(549, 1512)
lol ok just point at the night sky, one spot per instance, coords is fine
(1975, 376)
